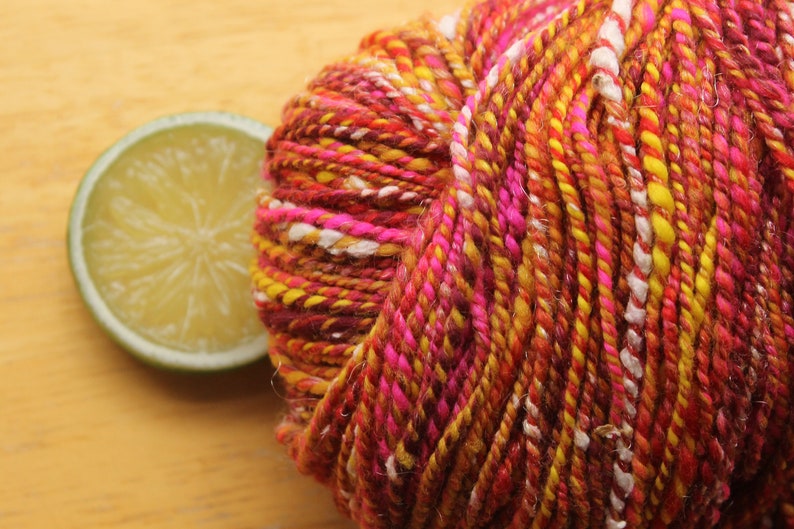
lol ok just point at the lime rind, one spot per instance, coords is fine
(139, 346)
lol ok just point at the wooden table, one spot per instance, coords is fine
(89, 437)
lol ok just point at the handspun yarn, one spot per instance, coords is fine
(532, 266)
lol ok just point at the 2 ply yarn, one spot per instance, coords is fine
(532, 266)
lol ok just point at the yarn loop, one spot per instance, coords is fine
(532, 266)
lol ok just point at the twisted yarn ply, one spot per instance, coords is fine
(532, 266)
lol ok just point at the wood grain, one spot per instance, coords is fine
(88, 436)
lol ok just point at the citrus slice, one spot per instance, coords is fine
(159, 241)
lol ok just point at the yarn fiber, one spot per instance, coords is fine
(532, 266)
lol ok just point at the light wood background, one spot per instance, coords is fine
(88, 436)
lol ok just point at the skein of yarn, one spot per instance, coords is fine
(532, 266)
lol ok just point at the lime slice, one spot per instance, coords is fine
(159, 241)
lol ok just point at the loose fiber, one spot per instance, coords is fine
(532, 266)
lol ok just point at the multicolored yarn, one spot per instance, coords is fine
(532, 266)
